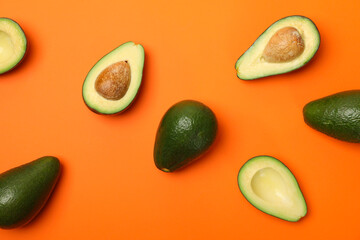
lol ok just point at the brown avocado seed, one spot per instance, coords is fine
(113, 82)
(285, 45)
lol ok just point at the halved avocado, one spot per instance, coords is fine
(13, 44)
(288, 44)
(114, 81)
(271, 187)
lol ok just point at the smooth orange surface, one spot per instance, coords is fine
(110, 188)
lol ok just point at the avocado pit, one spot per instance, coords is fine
(284, 46)
(113, 82)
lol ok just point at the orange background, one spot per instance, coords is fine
(110, 188)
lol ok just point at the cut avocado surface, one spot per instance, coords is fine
(337, 115)
(286, 45)
(271, 187)
(24, 190)
(186, 131)
(13, 44)
(114, 81)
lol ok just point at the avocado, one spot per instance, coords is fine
(288, 44)
(13, 44)
(337, 115)
(24, 190)
(113, 82)
(271, 187)
(186, 132)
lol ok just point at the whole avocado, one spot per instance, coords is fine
(185, 133)
(24, 190)
(337, 115)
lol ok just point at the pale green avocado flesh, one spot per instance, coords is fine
(253, 65)
(271, 187)
(133, 55)
(13, 44)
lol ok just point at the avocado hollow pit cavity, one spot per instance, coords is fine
(268, 184)
(6, 46)
(284, 46)
(113, 82)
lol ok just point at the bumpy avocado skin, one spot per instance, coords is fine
(337, 115)
(24, 190)
(186, 132)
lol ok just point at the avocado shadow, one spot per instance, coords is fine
(48, 203)
(24, 62)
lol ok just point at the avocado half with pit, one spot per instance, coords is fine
(13, 44)
(286, 45)
(114, 81)
(271, 187)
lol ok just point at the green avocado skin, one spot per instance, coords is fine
(337, 115)
(186, 132)
(25, 189)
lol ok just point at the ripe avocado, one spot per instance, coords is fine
(337, 115)
(13, 44)
(24, 190)
(114, 81)
(271, 187)
(286, 45)
(185, 133)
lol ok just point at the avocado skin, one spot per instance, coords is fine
(185, 133)
(337, 115)
(24, 190)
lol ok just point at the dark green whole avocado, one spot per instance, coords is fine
(24, 190)
(337, 115)
(185, 133)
